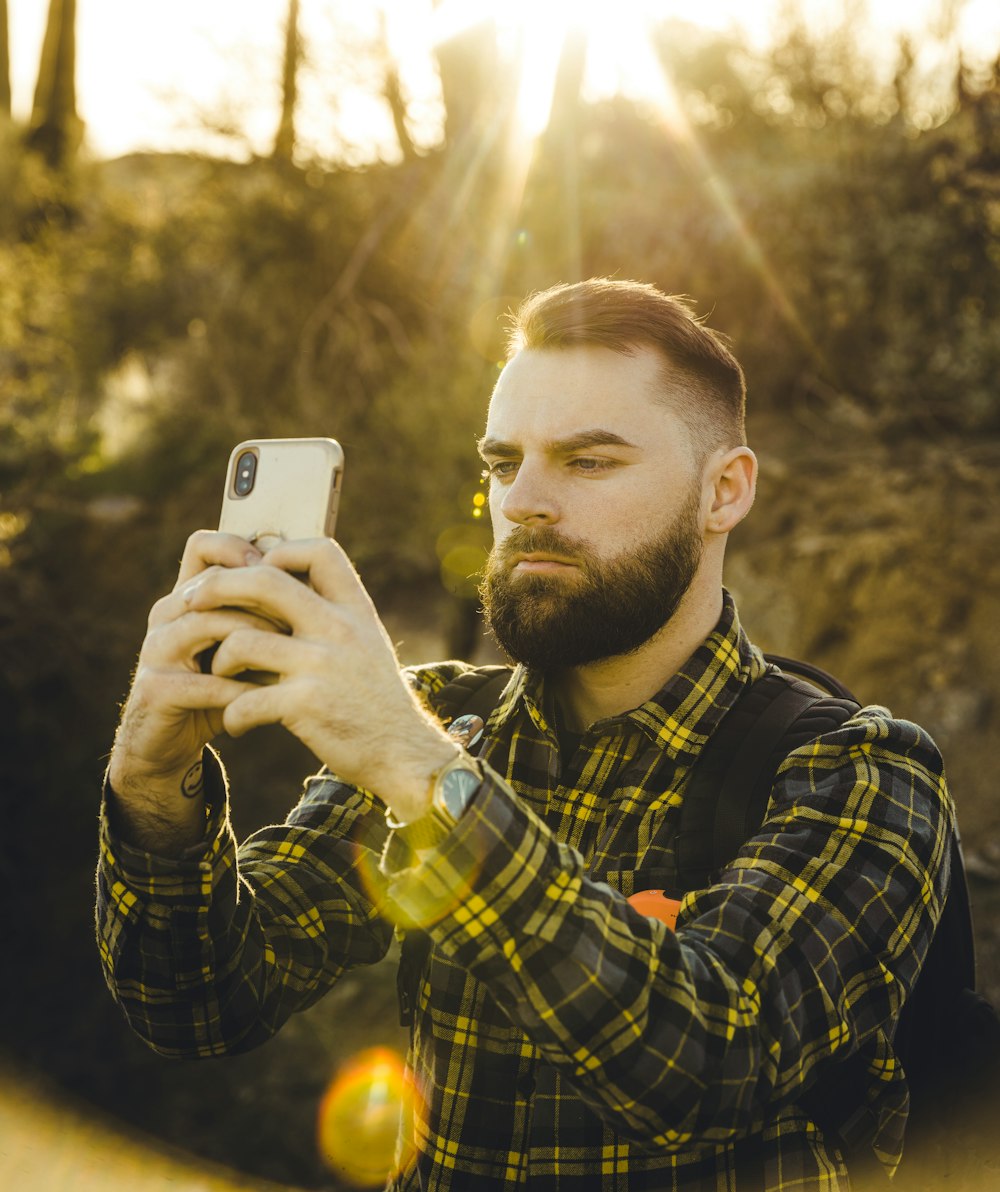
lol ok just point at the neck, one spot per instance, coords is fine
(612, 686)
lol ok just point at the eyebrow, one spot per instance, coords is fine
(578, 442)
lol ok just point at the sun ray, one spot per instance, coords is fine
(539, 66)
(620, 58)
(678, 128)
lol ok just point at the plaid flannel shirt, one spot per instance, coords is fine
(563, 1040)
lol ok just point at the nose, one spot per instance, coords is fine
(528, 499)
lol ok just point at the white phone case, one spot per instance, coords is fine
(282, 489)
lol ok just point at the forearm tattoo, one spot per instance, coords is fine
(193, 782)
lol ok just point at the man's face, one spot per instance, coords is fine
(596, 504)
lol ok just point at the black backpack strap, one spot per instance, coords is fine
(728, 791)
(815, 675)
(792, 715)
(476, 693)
(949, 971)
(724, 805)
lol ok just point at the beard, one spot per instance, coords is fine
(600, 609)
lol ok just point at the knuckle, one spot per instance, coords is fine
(238, 639)
(157, 613)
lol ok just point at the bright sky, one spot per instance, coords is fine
(149, 73)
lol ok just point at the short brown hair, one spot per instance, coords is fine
(702, 379)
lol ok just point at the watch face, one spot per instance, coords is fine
(457, 788)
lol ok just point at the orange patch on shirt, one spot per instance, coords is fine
(654, 904)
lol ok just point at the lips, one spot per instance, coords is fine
(540, 563)
(540, 557)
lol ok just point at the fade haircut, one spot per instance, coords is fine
(702, 380)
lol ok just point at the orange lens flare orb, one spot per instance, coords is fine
(359, 1118)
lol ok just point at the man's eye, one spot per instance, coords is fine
(500, 469)
(589, 463)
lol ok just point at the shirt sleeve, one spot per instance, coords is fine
(211, 952)
(804, 950)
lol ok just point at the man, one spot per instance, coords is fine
(562, 1038)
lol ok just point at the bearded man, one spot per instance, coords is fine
(562, 1038)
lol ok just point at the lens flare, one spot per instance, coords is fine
(462, 550)
(360, 1116)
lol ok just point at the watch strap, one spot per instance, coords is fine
(434, 825)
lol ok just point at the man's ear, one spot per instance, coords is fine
(731, 484)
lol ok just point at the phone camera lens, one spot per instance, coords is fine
(246, 472)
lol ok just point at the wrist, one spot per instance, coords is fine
(407, 792)
(449, 792)
(161, 812)
(130, 777)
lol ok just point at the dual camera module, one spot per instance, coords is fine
(246, 473)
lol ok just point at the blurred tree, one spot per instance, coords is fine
(393, 91)
(4, 60)
(56, 129)
(561, 143)
(474, 77)
(284, 141)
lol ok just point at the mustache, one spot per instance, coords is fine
(542, 540)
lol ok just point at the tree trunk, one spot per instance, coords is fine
(55, 128)
(393, 92)
(562, 143)
(284, 141)
(4, 60)
(472, 78)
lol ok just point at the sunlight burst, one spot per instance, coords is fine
(616, 42)
(618, 45)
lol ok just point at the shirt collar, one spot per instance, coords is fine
(686, 710)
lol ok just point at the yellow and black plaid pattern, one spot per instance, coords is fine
(563, 1041)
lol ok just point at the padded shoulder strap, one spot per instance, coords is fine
(728, 792)
(475, 692)
(818, 677)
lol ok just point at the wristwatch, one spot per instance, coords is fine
(451, 789)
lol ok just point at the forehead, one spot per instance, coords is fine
(546, 394)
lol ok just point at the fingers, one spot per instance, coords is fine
(210, 548)
(186, 691)
(267, 593)
(169, 716)
(270, 592)
(255, 706)
(257, 650)
(178, 637)
(325, 564)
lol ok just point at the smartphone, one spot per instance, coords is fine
(279, 490)
(282, 489)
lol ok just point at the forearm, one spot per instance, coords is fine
(212, 951)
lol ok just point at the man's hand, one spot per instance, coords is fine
(339, 688)
(173, 709)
